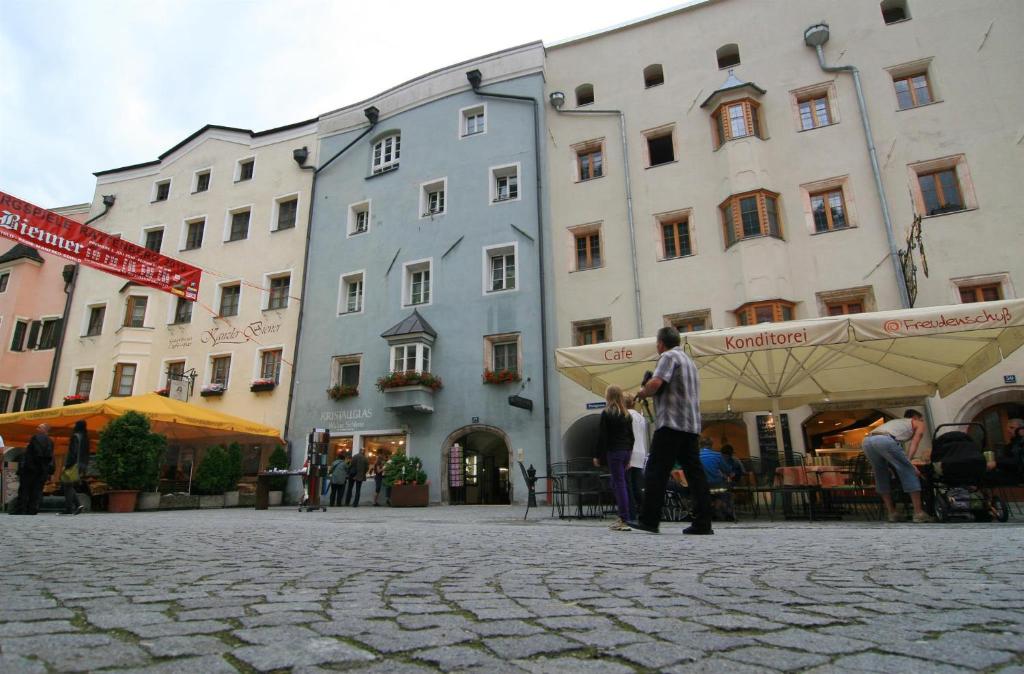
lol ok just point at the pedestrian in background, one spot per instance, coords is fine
(339, 474)
(883, 448)
(676, 392)
(378, 477)
(357, 468)
(637, 460)
(74, 468)
(35, 466)
(615, 445)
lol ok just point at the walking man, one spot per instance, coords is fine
(676, 393)
(34, 467)
(357, 468)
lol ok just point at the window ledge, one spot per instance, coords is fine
(235, 240)
(130, 327)
(590, 180)
(815, 128)
(282, 229)
(352, 313)
(834, 230)
(198, 192)
(652, 86)
(495, 202)
(431, 216)
(240, 180)
(677, 257)
(893, 23)
(576, 271)
(923, 105)
(667, 163)
(268, 309)
(755, 237)
(158, 201)
(382, 173)
(939, 215)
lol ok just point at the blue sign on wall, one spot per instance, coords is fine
(1009, 379)
(596, 406)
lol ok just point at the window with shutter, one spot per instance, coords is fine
(33, 334)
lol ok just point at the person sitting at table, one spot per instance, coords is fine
(719, 480)
(615, 444)
(734, 469)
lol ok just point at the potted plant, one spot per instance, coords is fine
(278, 461)
(409, 378)
(263, 384)
(232, 474)
(209, 478)
(75, 399)
(338, 391)
(408, 482)
(501, 376)
(128, 459)
(211, 390)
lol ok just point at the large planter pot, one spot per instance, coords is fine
(121, 500)
(275, 498)
(230, 499)
(410, 496)
(149, 500)
(211, 501)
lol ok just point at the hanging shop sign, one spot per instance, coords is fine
(57, 235)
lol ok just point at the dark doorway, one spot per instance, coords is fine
(484, 478)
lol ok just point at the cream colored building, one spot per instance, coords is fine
(234, 203)
(749, 195)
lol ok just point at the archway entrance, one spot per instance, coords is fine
(995, 417)
(580, 439)
(478, 470)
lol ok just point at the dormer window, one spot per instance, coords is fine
(736, 119)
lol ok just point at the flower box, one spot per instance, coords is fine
(409, 378)
(212, 390)
(501, 376)
(339, 392)
(259, 385)
(75, 399)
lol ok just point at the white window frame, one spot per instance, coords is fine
(172, 310)
(421, 349)
(408, 269)
(73, 383)
(113, 371)
(826, 90)
(836, 184)
(156, 187)
(662, 219)
(275, 210)
(24, 342)
(385, 167)
(84, 332)
(238, 168)
(465, 114)
(153, 228)
(7, 273)
(510, 248)
(257, 366)
(354, 209)
(338, 362)
(183, 239)
(220, 294)
(208, 375)
(344, 281)
(490, 341)
(504, 171)
(436, 185)
(227, 223)
(195, 180)
(265, 292)
(145, 317)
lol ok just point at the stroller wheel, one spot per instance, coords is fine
(941, 507)
(997, 507)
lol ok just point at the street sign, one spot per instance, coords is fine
(1009, 379)
(596, 406)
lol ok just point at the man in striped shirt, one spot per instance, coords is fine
(676, 393)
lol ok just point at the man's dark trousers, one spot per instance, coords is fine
(353, 488)
(669, 447)
(30, 492)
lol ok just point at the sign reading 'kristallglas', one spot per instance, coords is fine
(55, 234)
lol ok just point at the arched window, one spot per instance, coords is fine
(653, 75)
(386, 152)
(584, 94)
(894, 11)
(728, 55)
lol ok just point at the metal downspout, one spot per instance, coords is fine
(882, 200)
(540, 245)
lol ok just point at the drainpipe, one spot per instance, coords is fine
(300, 155)
(475, 78)
(70, 272)
(816, 36)
(557, 101)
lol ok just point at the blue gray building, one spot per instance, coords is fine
(425, 256)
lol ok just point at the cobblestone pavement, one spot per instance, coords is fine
(477, 589)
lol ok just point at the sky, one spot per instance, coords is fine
(89, 85)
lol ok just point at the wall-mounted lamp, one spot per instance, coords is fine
(372, 114)
(475, 77)
(557, 99)
(300, 155)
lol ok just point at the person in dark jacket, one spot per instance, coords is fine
(339, 474)
(75, 463)
(357, 468)
(34, 467)
(615, 444)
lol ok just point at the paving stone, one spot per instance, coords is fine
(586, 622)
(805, 640)
(76, 652)
(281, 618)
(462, 659)
(171, 629)
(706, 641)
(16, 664)
(953, 654)
(776, 658)
(390, 639)
(314, 651)
(504, 628)
(35, 614)
(715, 664)
(173, 647)
(574, 665)
(510, 648)
(211, 664)
(606, 638)
(657, 654)
(218, 613)
(125, 619)
(274, 635)
(880, 662)
(34, 628)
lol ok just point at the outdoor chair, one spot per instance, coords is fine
(555, 490)
(582, 485)
(857, 494)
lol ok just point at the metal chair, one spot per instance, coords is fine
(531, 478)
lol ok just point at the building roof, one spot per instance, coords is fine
(732, 83)
(20, 251)
(410, 325)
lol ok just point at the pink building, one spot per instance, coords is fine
(31, 318)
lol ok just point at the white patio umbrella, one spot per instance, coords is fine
(776, 366)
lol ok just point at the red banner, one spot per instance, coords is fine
(55, 234)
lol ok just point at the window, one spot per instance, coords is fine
(162, 190)
(182, 311)
(660, 147)
(940, 186)
(828, 210)
(691, 321)
(201, 181)
(350, 300)
(5, 400)
(345, 371)
(18, 335)
(749, 215)
(124, 379)
(94, 326)
(913, 90)
(19, 398)
(175, 371)
(589, 160)
(846, 301)
(35, 398)
(410, 358)
(587, 241)
(728, 56)
(981, 293)
(774, 311)
(229, 299)
(894, 11)
(239, 225)
(359, 218)
(505, 183)
(4, 279)
(33, 334)
(591, 332)
(49, 334)
(194, 233)
(220, 370)
(653, 75)
(473, 120)
(285, 211)
(280, 286)
(154, 239)
(815, 111)
(386, 153)
(675, 237)
(417, 283)
(432, 197)
(135, 311)
(736, 119)
(584, 95)
(83, 383)
(843, 308)
(244, 169)
(502, 268)
(270, 365)
(505, 356)
(941, 192)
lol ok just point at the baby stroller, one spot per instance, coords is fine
(959, 477)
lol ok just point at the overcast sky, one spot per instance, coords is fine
(88, 85)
